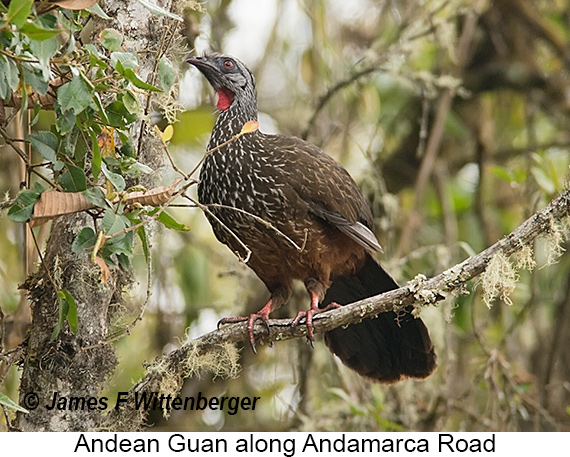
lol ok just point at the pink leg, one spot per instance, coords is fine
(262, 314)
(308, 315)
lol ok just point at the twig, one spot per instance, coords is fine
(262, 221)
(9, 425)
(11, 357)
(56, 288)
(22, 155)
(165, 146)
(333, 90)
(13, 56)
(226, 228)
(248, 127)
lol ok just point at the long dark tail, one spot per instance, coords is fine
(387, 348)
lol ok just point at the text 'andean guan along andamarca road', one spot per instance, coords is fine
(311, 199)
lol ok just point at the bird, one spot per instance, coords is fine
(293, 213)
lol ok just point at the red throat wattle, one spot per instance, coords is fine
(225, 98)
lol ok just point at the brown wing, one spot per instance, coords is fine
(327, 188)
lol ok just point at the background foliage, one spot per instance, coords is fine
(453, 116)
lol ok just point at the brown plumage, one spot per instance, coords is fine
(301, 217)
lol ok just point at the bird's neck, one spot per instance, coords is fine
(230, 121)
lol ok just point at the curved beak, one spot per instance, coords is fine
(197, 61)
(207, 69)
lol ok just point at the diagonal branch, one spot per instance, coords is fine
(418, 292)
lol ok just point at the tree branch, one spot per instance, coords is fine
(333, 90)
(418, 292)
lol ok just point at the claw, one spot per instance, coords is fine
(262, 315)
(309, 314)
(231, 320)
(330, 306)
(251, 323)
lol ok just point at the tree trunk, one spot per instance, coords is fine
(75, 367)
(63, 368)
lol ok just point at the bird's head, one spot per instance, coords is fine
(229, 77)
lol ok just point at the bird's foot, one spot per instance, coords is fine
(262, 315)
(309, 314)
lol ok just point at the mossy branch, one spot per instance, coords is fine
(418, 292)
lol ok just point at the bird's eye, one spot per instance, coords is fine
(228, 64)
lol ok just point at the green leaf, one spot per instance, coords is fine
(55, 333)
(37, 32)
(23, 207)
(49, 21)
(96, 196)
(18, 12)
(100, 108)
(75, 96)
(166, 73)
(132, 77)
(39, 187)
(159, 11)
(141, 232)
(111, 39)
(71, 309)
(7, 401)
(119, 115)
(96, 161)
(67, 24)
(84, 241)
(128, 149)
(73, 180)
(44, 51)
(117, 180)
(46, 144)
(170, 223)
(114, 223)
(67, 311)
(122, 244)
(131, 102)
(13, 75)
(125, 59)
(98, 11)
(65, 122)
(36, 114)
(135, 168)
(63, 307)
(36, 80)
(124, 261)
(5, 91)
(94, 57)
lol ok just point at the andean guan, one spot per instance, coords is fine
(265, 191)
